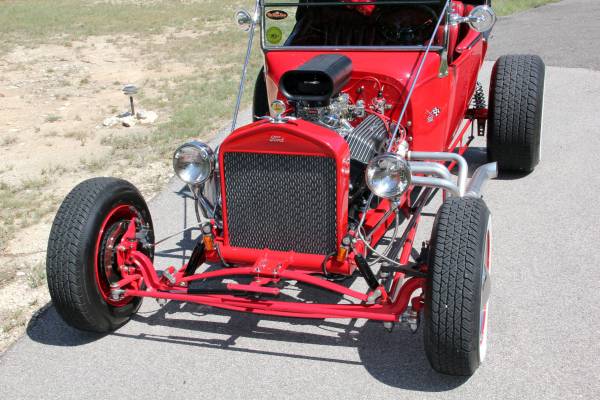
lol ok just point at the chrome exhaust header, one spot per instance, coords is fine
(463, 167)
(480, 177)
(427, 171)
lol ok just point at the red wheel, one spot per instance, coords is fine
(81, 260)
(485, 287)
(111, 232)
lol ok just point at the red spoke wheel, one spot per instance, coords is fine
(111, 232)
(458, 287)
(81, 260)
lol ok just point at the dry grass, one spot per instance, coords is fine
(506, 7)
(53, 118)
(9, 140)
(196, 103)
(13, 319)
(36, 277)
(80, 136)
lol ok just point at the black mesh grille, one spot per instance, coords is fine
(281, 202)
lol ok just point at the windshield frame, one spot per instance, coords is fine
(267, 48)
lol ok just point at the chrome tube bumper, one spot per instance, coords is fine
(428, 172)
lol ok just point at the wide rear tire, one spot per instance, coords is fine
(80, 260)
(456, 301)
(515, 112)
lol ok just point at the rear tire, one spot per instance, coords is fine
(80, 260)
(456, 300)
(515, 112)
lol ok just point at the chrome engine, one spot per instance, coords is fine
(338, 115)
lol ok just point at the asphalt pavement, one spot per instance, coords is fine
(545, 311)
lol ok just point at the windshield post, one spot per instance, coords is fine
(255, 18)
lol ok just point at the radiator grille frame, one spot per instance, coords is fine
(282, 202)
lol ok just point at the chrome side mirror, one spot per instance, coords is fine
(481, 19)
(244, 20)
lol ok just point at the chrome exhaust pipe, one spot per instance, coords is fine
(439, 183)
(430, 168)
(463, 167)
(438, 176)
(480, 177)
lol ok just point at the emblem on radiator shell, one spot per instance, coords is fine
(276, 139)
(433, 114)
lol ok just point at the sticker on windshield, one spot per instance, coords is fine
(277, 15)
(274, 35)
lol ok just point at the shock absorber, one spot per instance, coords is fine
(479, 103)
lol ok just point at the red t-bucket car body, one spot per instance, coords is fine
(362, 113)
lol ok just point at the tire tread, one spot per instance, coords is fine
(66, 284)
(454, 289)
(515, 121)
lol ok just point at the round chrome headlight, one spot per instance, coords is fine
(482, 18)
(388, 175)
(194, 162)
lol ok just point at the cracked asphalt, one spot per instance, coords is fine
(545, 311)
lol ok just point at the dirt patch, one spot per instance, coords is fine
(62, 67)
(53, 100)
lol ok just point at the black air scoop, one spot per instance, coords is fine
(317, 80)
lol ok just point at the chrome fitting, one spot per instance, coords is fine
(170, 277)
(411, 318)
(389, 326)
(116, 294)
(161, 302)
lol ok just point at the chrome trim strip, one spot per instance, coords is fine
(443, 72)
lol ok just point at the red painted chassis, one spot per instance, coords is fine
(140, 278)
(267, 268)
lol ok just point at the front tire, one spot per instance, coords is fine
(80, 261)
(515, 112)
(456, 301)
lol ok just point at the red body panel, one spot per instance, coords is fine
(394, 71)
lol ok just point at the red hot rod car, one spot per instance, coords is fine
(362, 113)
